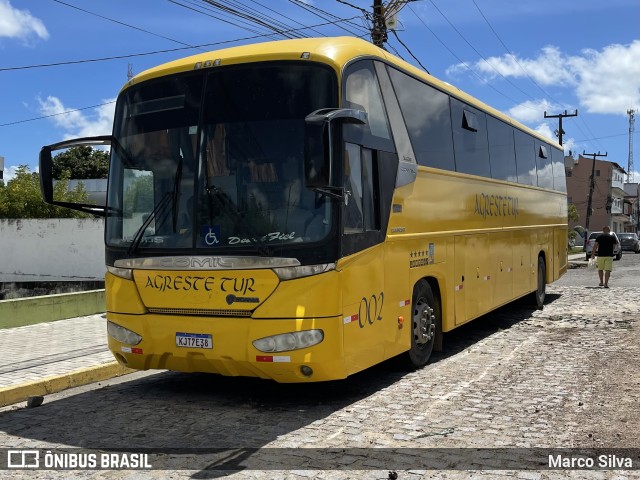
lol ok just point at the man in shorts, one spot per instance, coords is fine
(604, 247)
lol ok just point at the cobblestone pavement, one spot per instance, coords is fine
(562, 377)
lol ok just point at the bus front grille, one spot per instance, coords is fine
(203, 312)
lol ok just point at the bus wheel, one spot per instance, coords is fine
(425, 324)
(537, 297)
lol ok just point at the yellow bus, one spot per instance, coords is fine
(301, 210)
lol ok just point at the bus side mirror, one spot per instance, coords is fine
(46, 173)
(46, 178)
(318, 142)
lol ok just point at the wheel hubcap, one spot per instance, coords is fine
(424, 327)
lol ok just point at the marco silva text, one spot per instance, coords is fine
(601, 461)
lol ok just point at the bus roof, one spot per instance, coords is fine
(333, 51)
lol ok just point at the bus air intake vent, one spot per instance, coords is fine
(203, 312)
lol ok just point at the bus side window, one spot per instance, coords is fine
(363, 93)
(359, 212)
(559, 178)
(545, 168)
(470, 139)
(525, 158)
(427, 115)
(353, 218)
(502, 155)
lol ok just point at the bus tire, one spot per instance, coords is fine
(537, 297)
(426, 324)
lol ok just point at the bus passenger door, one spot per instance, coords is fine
(363, 254)
(368, 172)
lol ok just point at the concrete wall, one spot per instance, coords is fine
(51, 250)
(47, 308)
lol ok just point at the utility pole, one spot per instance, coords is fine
(379, 29)
(129, 71)
(560, 116)
(631, 114)
(592, 185)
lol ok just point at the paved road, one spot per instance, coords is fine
(517, 379)
(625, 273)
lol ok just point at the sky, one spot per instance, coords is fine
(521, 57)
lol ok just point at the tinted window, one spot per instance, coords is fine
(525, 158)
(543, 162)
(502, 153)
(362, 92)
(559, 180)
(470, 139)
(359, 212)
(426, 113)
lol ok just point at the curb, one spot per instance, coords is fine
(18, 393)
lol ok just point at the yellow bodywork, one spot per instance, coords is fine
(476, 240)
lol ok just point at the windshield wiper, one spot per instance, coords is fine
(137, 238)
(333, 192)
(172, 195)
(229, 207)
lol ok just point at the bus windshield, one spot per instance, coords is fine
(213, 159)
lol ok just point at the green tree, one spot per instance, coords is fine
(572, 216)
(572, 213)
(21, 197)
(81, 163)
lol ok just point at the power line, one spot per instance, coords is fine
(285, 16)
(156, 52)
(56, 114)
(324, 15)
(122, 23)
(462, 61)
(408, 50)
(478, 53)
(247, 16)
(334, 22)
(515, 58)
(194, 9)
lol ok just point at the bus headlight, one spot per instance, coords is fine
(125, 273)
(123, 335)
(289, 341)
(289, 273)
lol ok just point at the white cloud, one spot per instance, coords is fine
(610, 79)
(605, 81)
(15, 23)
(547, 69)
(77, 123)
(545, 130)
(9, 173)
(532, 111)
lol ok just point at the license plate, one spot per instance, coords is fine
(194, 340)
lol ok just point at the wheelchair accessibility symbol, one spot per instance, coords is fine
(210, 234)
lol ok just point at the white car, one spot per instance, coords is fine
(617, 249)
